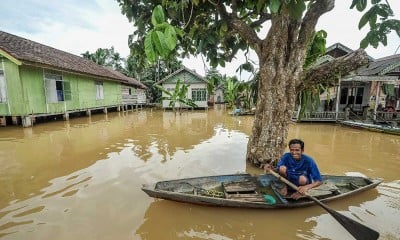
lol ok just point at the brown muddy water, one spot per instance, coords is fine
(81, 179)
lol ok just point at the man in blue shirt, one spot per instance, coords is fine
(298, 168)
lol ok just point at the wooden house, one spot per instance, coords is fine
(39, 81)
(376, 88)
(197, 86)
(359, 91)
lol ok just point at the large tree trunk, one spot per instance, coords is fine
(281, 58)
(280, 69)
(273, 113)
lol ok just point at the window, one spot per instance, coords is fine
(57, 90)
(199, 94)
(343, 95)
(359, 95)
(99, 90)
(3, 89)
(132, 91)
(351, 95)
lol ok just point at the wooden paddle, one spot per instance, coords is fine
(356, 229)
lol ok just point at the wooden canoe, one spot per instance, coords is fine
(373, 127)
(247, 191)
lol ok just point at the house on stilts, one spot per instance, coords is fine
(38, 81)
(370, 93)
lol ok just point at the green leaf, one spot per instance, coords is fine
(353, 4)
(170, 37)
(247, 66)
(157, 17)
(364, 19)
(364, 43)
(149, 48)
(159, 42)
(384, 40)
(274, 6)
(260, 5)
(361, 5)
(383, 11)
(179, 32)
(296, 9)
(372, 21)
(222, 62)
(224, 28)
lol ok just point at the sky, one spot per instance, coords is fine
(77, 26)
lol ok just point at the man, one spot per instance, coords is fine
(298, 168)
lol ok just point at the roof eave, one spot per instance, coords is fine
(9, 57)
(40, 65)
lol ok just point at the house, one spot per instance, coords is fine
(375, 86)
(39, 81)
(359, 91)
(351, 94)
(197, 86)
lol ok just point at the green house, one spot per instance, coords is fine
(38, 81)
(197, 86)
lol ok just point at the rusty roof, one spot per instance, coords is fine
(32, 53)
(389, 65)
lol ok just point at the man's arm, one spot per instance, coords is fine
(305, 188)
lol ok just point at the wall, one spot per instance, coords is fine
(189, 79)
(26, 92)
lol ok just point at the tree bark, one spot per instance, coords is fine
(279, 75)
(329, 73)
(281, 58)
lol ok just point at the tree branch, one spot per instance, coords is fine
(263, 18)
(310, 20)
(329, 73)
(244, 30)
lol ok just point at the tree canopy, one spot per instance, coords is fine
(219, 29)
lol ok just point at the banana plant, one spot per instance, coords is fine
(232, 92)
(177, 98)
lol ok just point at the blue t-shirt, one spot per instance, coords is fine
(306, 166)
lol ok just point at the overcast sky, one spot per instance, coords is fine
(77, 26)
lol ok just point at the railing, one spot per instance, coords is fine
(320, 116)
(387, 116)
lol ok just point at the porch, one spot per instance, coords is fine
(366, 116)
(321, 116)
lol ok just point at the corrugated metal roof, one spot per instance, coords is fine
(389, 65)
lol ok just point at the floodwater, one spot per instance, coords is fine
(81, 179)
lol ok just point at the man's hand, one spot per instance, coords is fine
(303, 189)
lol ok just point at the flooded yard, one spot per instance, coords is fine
(81, 179)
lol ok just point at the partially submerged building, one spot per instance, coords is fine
(39, 81)
(366, 93)
(197, 86)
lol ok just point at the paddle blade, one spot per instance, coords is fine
(356, 229)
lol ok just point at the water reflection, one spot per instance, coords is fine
(81, 179)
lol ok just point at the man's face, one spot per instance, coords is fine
(295, 150)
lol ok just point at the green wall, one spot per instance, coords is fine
(15, 104)
(26, 92)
